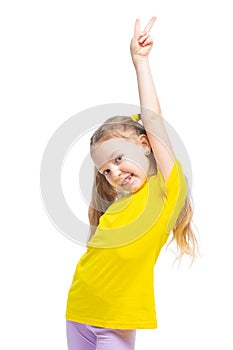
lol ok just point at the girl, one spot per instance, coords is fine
(139, 197)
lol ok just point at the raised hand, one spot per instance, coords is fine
(141, 42)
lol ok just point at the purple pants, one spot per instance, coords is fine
(85, 337)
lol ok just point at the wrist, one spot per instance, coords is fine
(140, 61)
(141, 65)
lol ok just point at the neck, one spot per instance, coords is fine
(152, 168)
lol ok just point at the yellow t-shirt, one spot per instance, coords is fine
(113, 284)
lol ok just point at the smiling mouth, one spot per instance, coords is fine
(127, 180)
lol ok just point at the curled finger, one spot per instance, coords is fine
(143, 38)
(148, 41)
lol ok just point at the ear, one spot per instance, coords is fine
(143, 139)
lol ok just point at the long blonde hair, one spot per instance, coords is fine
(104, 194)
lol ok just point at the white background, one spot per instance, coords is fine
(61, 57)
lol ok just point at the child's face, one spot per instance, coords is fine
(123, 162)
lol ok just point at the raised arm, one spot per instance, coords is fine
(151, 114)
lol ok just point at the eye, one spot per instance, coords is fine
(105, 172)
(117, 159)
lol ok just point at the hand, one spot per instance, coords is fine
(141, 43)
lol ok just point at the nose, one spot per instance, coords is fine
(116, 172)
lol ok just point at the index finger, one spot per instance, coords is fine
(150, 24)
(137, 27)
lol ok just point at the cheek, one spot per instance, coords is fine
(110, 181)
(130, 165)
(137, 165)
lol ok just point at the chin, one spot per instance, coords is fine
(136, 188)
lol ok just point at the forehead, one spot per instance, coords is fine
(106, 150)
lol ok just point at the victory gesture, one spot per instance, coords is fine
(141, 42)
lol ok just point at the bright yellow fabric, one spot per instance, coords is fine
(113, 284)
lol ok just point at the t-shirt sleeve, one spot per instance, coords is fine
(175, 189)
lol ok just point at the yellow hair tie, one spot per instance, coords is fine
(135, 117)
